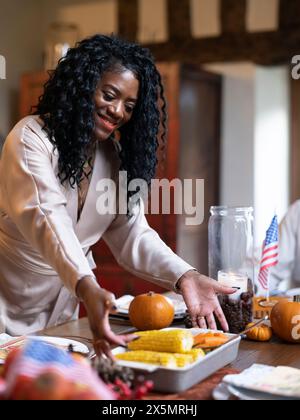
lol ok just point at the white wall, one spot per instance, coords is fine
(271, 144)
(255, 139)
(21, 45)
(255, 142)
(91, 16)
(262, 15)
(152, 21)
(205, 18)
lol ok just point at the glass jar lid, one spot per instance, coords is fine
(230, 211)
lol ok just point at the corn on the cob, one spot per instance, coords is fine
(170, 341)
(169, 360)
(196, 354)
(189, 357)
(183, 359)
(162, 359)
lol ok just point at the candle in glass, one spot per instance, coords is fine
(238, 307)
(235, 280)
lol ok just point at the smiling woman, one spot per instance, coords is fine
(49, 170)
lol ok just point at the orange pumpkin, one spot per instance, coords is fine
(259, 333)
(285, 320)
(151, 311)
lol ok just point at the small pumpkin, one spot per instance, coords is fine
(260, 333)
(285, 320)
(151, 311)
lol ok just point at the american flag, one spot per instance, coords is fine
(269, 254)
(37, 357)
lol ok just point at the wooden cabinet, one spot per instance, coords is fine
(192, 151)
(199, 155)
(31, 89)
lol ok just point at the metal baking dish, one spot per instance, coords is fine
(180, 379)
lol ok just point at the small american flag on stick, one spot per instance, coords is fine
(37, 357)
(269, 254)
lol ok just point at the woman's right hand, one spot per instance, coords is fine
(98, 303)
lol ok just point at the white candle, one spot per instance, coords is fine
(231, 279)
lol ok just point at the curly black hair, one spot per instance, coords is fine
(67, 106)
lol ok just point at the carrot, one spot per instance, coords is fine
(210, 340)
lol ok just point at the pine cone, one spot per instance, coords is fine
(109, 371)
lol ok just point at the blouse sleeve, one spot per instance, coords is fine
(140, 250)
(35, 202)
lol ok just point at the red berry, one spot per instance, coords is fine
(141, 391)
(149, 385)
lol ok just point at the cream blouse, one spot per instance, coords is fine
(44, 250)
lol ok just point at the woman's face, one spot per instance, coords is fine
(115, 98)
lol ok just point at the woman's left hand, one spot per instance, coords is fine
(200, 295)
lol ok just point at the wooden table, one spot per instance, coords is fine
(273, 353)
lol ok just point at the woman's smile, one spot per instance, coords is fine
(106, 123)
(115, 99)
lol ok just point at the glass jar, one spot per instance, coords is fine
(231, 262)
(60, 37)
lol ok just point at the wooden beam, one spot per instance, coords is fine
(289, 14)
(265, 48)
(179, 19)
(128, 19)
(233, 16)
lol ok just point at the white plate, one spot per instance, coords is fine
(221, 393)
(293, 292)
(59, 342)
(249, 395)
(123, 304)
(64, 343)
